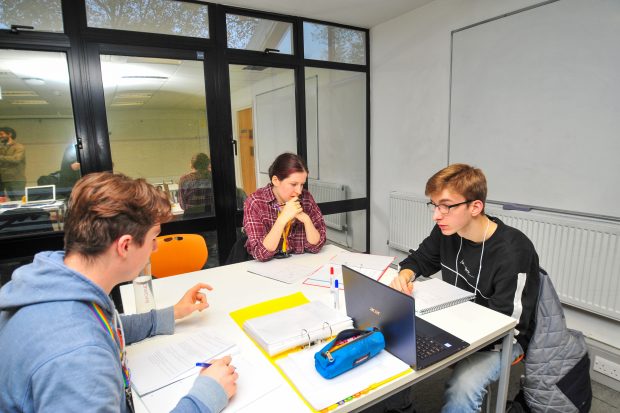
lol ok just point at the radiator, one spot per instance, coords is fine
(581, 255)
(327, 192)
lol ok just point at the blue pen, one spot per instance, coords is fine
(204, 365)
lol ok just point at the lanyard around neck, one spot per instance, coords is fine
(287, 230)
(119, 334)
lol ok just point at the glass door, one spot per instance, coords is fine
(158, 130)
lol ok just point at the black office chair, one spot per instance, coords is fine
(238, 253)
(21, 221)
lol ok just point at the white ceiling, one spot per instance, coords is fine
(360, 13)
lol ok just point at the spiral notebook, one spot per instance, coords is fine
(434, 294)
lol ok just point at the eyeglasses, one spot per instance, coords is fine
(443, 208)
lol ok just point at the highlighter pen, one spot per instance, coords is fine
(336, 295)
(203, 365)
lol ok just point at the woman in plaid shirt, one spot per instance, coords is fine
(282, 217)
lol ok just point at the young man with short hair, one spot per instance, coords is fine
(61, 337)
(480, 254)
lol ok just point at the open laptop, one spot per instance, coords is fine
(413, 340)
(40, 195)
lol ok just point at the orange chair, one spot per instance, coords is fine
(178, 254)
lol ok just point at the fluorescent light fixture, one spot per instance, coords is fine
(35, 81)
(30, 102)
(127, 104)
(20, 94)
(133, 95)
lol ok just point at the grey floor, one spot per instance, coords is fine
(427, 395)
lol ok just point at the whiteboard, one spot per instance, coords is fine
(275, 125)
(535, 103)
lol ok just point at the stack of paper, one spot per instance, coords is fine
(372, 266)
(322, 393)
(287, 270)
(154, 367)
(296, 326)
(256, 379)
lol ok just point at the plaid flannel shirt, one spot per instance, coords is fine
(259, 215)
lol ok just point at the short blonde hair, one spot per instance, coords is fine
(460, 178)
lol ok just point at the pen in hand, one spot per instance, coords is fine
(203, 365)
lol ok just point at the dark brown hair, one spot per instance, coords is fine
(460, 178)
(104, 206)
(285, 165)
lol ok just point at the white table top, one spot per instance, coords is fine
(235, 288)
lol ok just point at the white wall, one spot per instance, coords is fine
(410, 90)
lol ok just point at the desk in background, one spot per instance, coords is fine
(234, 288)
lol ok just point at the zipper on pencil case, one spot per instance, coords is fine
(328, 353)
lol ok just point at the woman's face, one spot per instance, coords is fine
(290, 187)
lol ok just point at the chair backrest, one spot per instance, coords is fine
(178, 254)
(238, 253)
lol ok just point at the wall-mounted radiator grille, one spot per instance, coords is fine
(581, 255)
(327, 192)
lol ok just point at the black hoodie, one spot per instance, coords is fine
(508, 281)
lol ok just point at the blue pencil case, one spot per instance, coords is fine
(349, 349)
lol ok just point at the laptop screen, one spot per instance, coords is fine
(45, 193)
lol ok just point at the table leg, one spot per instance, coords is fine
(504, 374)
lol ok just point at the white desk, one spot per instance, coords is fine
(235, 288)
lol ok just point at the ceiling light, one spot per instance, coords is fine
(145, 77)
(30, 102)
(35, 81)
(127, 104)
(20, 93)
(133, 95)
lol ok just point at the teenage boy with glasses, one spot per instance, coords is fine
(480, 254)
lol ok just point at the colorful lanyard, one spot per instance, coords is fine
(120, 343)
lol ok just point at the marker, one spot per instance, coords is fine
(336, 295)
(203, 365)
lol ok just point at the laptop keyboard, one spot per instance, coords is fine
(426, 347)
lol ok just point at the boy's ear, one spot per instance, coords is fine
(477, 207)
(122, 245)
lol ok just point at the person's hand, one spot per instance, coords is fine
(191, 301)
(291, 209)
(224, 373)
(403, 282)
(75, 166)
(303, 218)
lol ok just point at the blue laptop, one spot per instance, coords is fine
(413, 340)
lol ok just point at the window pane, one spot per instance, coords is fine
(43, 15)
(37, 144)
(334, 44)
(150, 16)
(336, 133)
(157, 121)
(264, 122)
(252, 33)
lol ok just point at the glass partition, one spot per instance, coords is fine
(38, 159)
(264, 122)
(157, 122)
